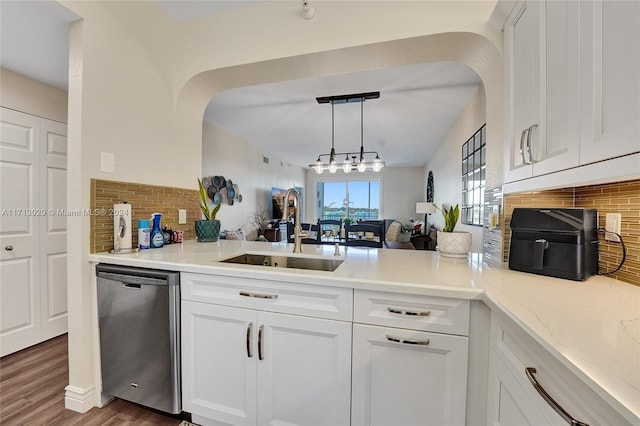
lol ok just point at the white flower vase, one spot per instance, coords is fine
(454, 244)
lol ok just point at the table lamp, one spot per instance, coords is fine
(427, 209)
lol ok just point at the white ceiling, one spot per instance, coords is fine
(417, 105)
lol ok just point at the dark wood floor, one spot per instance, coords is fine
(32, 385)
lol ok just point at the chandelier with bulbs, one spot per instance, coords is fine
(352, 160)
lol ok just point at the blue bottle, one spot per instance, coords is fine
(157, 237)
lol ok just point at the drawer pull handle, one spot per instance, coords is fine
(408, 342)
(410, 313)
(530, 371)
(258, 295)
(260, 331)
(249, 348)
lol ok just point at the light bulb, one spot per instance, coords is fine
(346, 166)
(318, 166)
(333, 166)
(362, 166)
(377, 164)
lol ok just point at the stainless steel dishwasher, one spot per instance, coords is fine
(139, 320)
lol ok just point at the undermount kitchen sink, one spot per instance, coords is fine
(316, 264)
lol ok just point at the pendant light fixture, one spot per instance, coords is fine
(353, 160)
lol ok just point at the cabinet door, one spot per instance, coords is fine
(304, 374)
(403, 377)
(610, 56)
(507, 403)
(556, 141)
(218, 363)
(522, 49)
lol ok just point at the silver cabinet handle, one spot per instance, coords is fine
(529, 137)
(258, 295)
(408, 342)
(260, 331)
(249, 332)
(409, 313)
(530, 371)
(522, 139)
(8, 248)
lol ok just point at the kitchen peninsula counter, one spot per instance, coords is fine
(591, 327)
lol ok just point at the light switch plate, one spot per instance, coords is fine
(182, 216)
(107, 162)
(612, 224)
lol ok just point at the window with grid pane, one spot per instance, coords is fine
(474, 155)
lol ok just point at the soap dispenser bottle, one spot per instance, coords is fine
(157, 237)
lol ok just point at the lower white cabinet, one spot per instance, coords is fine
(528, 386)
(404, 377)
(507, 402)
(249, 367)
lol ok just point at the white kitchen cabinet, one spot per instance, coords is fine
(572, 83)
(512, 396)
(248, 366)
(507, 402)
(219, 378)
(542, 70)
(404, 377)
(404, 373)
(610, 59)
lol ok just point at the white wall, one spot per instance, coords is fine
(446, 164)
(402, 187)
(235, 159)
(139, 84)
(24, 94)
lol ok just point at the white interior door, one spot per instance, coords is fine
(53, 228)
(19, 231)
(33, 259)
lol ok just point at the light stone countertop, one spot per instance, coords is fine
(592, 327)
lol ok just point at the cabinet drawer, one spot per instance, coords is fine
(519, 351)
(273, 296)
(414, 312)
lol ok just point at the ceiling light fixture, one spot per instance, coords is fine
(307, 10)
(353, 160)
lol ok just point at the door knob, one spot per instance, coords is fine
(8, 248)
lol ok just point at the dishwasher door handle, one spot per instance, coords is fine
(129, 286)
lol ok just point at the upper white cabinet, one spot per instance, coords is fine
(572, 84)
(610, 87)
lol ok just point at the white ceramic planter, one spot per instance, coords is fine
(454, 244)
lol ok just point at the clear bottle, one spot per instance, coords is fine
(144, 234)
(157, 237)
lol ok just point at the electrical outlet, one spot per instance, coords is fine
(612, 224)
(182, 216)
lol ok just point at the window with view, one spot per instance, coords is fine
(355, 199)
(474, 155)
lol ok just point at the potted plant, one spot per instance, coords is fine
(260, 220)
(450, 243)
(346, 221)
(207, 230)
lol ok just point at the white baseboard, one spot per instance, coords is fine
(80, 400)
